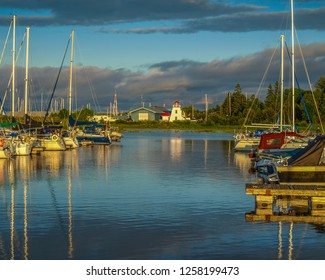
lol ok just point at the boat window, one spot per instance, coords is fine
(273, 142)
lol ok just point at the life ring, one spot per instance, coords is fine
(54, 137)
(2, 142)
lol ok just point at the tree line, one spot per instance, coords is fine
(238, 109)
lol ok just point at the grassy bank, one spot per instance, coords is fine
(181, 125)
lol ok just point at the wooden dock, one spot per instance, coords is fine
(281, 189)
(307, 202)
(251, 217)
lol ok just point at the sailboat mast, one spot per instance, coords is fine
(13, 66)
(26, 73)
(71, 65)
(293, 66)
(282, 82)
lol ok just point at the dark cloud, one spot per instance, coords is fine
(188, 16)
(162, 83)
(98, 12)
(305, 19)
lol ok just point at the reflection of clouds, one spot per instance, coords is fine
(176, 149)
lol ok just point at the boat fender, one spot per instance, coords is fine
(2, 142)
(54, 137)
(252, 155)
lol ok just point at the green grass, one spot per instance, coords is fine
(180, 125)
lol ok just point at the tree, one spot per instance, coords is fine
(63, 114)
(83, 115)
(272, 104)
(321, 84)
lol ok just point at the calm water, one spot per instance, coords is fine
(155, 195)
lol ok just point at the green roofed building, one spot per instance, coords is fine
(146, 113)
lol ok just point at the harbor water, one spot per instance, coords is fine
(155, 195)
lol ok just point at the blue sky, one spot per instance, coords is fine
(159, 51)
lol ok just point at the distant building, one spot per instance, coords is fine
(165, 116)
(107, 118)
(156, 113)
(146, 114)
(98, 118)
(177, 114)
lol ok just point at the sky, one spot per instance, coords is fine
(158, 51)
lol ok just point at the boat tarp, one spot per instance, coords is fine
(310, 155)
(9, 124)
(33, 124)
(73, 122)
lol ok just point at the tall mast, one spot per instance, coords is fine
(13, 66)
(115, 108)
(282, 82)
(26, 73)
(71, 64)
(293, 66)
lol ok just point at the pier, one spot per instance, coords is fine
(298, 203)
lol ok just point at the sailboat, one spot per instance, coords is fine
(93, 133)
(279, 152)
(23, 143)
(69, 136)
(15, 142)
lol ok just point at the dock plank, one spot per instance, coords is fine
(252, 217)
(277, 189)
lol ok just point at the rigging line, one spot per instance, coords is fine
(10, 79)
(6, 42)
(56, 82)
(310, 86)
(90, 84)
(260, 86)
(300, 91)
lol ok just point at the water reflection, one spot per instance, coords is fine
(176, 149)
(150, 197)
(45, 184)
(17, 176)
(288, 210)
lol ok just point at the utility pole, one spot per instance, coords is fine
(229, 103)
(206, 108)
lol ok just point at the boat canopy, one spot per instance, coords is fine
(311, 155)
(275, 140)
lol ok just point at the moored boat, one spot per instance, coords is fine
(305, 167)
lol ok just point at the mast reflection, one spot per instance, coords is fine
(289, 210)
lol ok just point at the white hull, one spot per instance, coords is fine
(53, 143)
(247, 144)
(23, 149)
(115, 136)
(4, 153)
(70, 142)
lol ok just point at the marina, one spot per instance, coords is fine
(154, 195)
(74, 187)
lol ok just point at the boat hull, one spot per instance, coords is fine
(95, 139)
(301, 175)
(247, 145)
